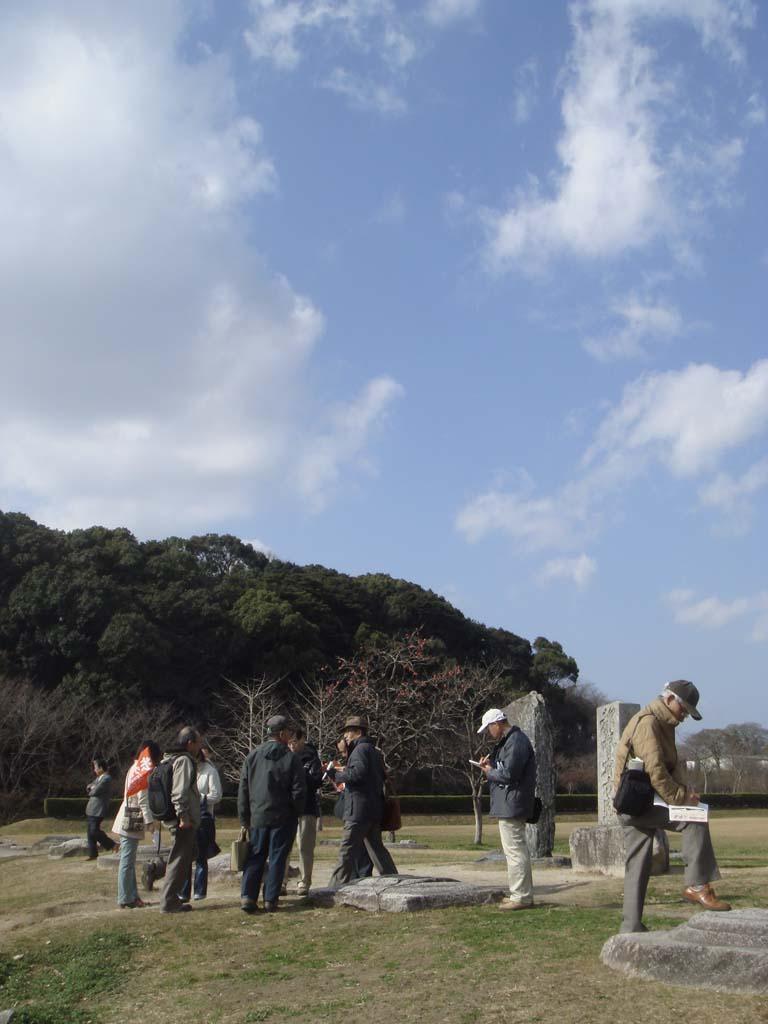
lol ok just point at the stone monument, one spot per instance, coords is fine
(601, 848)
(530, 714)
(724, 952)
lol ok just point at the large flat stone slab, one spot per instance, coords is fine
(727, 952)
(403, 893)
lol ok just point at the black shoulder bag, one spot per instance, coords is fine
(635, 793)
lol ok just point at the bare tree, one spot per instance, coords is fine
(319, 707)
(456, 704)
(245, 709)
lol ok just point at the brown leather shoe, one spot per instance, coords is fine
(706, 898)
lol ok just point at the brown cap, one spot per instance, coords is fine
(687, 694)
(356, 722)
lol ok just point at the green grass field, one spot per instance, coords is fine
(67, 956)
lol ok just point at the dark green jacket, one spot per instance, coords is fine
(272, 787)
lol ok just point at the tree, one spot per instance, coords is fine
(244, 709)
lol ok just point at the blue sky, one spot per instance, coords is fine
(471, 292)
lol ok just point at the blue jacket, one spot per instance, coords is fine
(513, 776)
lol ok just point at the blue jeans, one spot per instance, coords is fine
(126, 872)
(273, 844)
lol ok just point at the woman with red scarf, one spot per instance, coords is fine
(132, 819)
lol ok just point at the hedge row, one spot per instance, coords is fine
(565, 803)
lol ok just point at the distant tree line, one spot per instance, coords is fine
(97, 619)
(733, 759)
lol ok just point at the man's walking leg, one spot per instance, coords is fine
(349, 851)
(515, 847)
(254, 868)
(307, 836)
(178, 868)
(638, 845)
(280, 843)
(377, 851)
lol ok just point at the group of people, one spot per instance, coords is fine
(194, 828)
(278, 805)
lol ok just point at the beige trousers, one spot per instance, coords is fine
(512, 832)
(305, 841)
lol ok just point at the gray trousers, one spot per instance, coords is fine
(177, 871)
(356, 835)
(700, 863)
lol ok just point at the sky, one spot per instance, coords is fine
(469, 292)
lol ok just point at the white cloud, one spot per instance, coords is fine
(526, 88)
(756, 112)
(324, 456)
(685, 420)
(259, 545)
(642, 322)
(445, 12)
(714, 613)
(579, 570)
(170, 364)
(365, 93)
(279, 26)
(617, 188)
(727, 492)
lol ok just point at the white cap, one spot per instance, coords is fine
(490, 716)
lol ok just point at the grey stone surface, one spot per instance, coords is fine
(530, 714)
(725, 952)
(601, 850)
(6, 1016)
(611, 722)
(403, 893)
(77, 847)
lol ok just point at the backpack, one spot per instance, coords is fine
(159, 786)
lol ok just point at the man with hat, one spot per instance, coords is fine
(511, 773)
(650, 736)
(269, 801)
(363, 779)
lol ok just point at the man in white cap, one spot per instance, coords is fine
(511, 772)
(650, 736)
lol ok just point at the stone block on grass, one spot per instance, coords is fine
(405, 893)
(725, 952)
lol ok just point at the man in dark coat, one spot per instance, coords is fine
(270, 799)
(363, 779)
(511, 773)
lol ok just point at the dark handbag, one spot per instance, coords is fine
(391, 820)
(536, 812)
(635, 793)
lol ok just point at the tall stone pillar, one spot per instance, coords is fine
(611, 722)
(530, 714)
(601, 848)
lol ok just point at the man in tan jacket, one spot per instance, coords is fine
(650, 735)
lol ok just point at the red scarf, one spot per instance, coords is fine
(138, 773)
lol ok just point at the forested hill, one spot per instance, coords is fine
(168, 620)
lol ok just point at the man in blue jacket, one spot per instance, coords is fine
(270, 799)
(511, 772)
